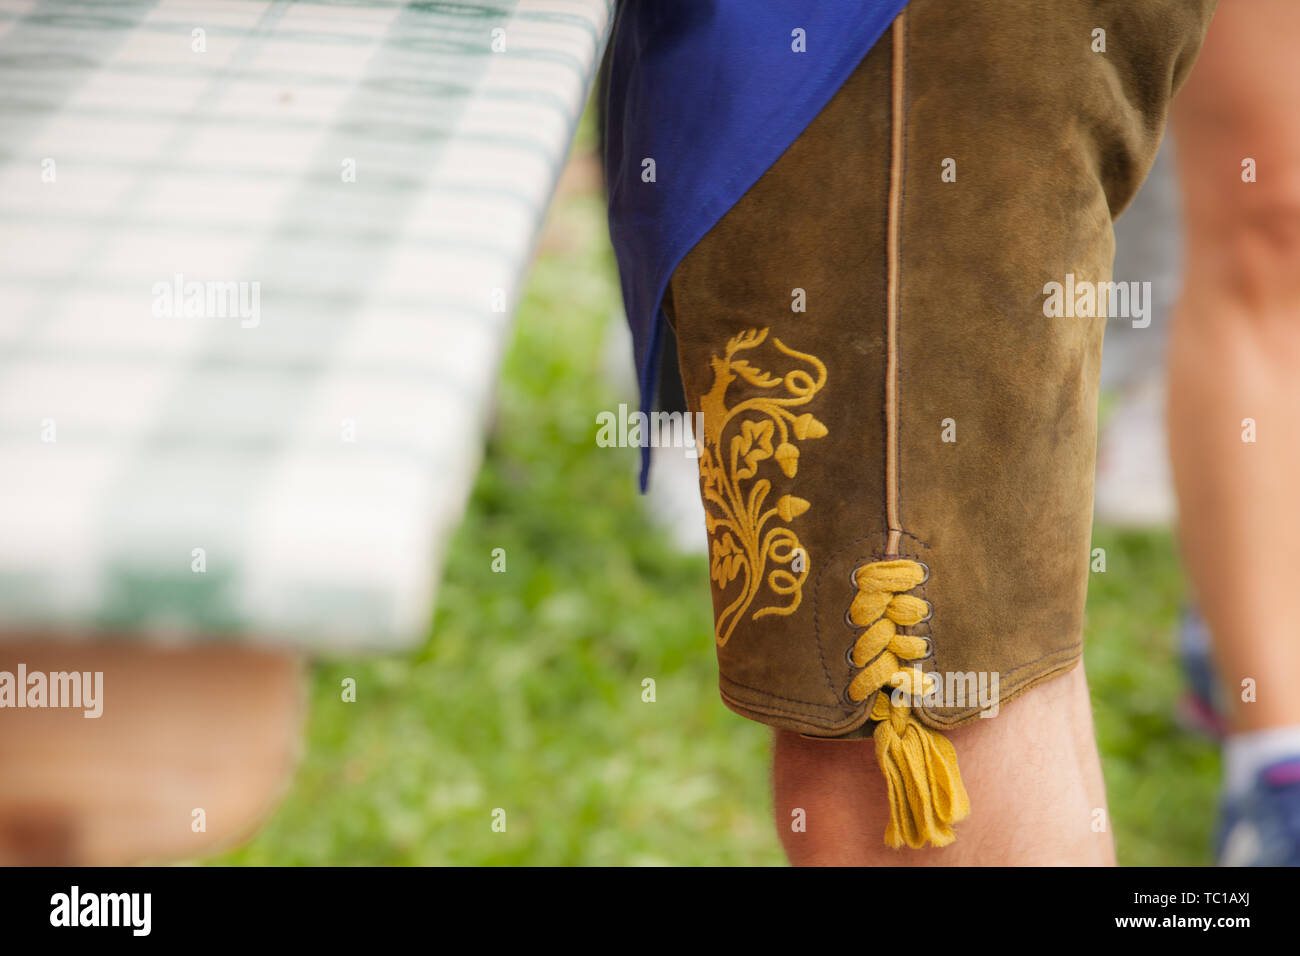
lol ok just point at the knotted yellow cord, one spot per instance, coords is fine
(926, 795)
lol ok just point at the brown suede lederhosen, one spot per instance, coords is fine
(869, 336)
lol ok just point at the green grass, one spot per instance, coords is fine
(1160, 781)
(527, 695)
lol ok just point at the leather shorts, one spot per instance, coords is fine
(891, 343)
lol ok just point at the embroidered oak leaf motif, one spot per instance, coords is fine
(727, 558)
(752, 545)
(753, 445)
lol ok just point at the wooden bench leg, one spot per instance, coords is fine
(192, 750)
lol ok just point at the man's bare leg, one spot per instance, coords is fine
(1033, 776)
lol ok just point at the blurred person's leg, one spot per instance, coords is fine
(191, 750)
(1235, 350)
(1235, 355)
(898, 476)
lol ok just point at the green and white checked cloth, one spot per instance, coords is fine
(257, 266)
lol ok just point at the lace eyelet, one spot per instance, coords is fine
(848, 698)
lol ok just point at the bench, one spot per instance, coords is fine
(257, 268)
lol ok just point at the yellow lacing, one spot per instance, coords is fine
(926, 795)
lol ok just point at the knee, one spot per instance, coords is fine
(1247, 256)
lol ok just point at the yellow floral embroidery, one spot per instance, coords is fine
(758, 429)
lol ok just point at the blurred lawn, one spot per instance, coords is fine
(527, 695)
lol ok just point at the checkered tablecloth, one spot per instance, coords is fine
(345, 196)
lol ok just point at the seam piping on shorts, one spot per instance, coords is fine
(892, 287)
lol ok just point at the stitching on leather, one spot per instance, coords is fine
(1006, 698)
(788, 700)
(843, 727)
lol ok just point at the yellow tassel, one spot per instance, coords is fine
(926, 793)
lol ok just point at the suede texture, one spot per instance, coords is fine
(1050, 141)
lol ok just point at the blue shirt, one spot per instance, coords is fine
(713, 91)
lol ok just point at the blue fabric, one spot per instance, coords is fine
(714, 92)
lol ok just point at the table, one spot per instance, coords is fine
(258, 262)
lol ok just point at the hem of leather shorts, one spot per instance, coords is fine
(780, 715)
(1054, 665)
